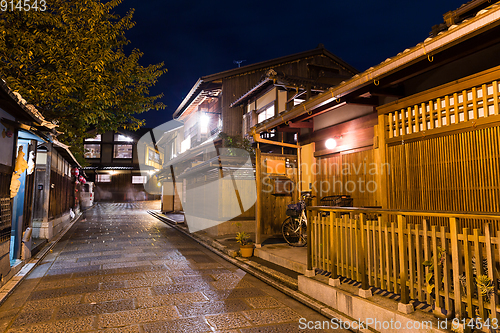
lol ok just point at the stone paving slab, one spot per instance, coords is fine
(124, 271)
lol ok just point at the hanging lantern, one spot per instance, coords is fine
(75, 172)
(82, 179)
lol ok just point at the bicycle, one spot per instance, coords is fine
(294, 228)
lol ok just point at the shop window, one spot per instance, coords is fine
(139, 179)
(103, 178)
(92, 151)
(122, 151)
(120, 137)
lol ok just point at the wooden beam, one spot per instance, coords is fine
(257, 138)
(258, 203)
(287, 129)
(303, 124)
(364, 101)
(329, 107)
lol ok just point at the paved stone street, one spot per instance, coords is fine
(124, 271)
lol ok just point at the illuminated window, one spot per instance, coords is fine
(120, 137)
(96, 138)
(154, 156)
(122, 151)
(139, 179)
(92, 150)
(266, 114)
(103, 178)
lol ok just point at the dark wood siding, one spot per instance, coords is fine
(62, 196)
(234, 87)
(5, 202)
(274, 206)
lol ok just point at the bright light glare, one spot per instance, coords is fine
(331, 143)
(204, 119)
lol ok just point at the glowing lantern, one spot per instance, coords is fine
(75, 172)
(331, 143)
(82, 179)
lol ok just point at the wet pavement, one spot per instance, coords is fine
(123, 270)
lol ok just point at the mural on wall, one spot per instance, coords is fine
(20, 167)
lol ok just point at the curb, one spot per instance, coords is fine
(257, 270)
(9, 287)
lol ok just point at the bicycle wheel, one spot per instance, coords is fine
(292, 232)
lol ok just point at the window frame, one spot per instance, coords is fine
(99, 178)
(116, 145)
(264, 110)
(92, 144)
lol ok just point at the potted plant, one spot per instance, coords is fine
(246, 245)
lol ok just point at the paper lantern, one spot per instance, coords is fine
(82, 179)
(75, 172)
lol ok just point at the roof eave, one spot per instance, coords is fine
(188, 99)
(275, 61)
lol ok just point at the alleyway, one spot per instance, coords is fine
(124, 271)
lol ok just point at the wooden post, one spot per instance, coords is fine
(468, 273)
(333, 241)
(479, 270)
(492, 272)
(173, 187)
(455, 259)
(362, 254)
(46, 185)
(309, 241)
(381, 159)
(258, 203)
(403, 260)
(299, 172)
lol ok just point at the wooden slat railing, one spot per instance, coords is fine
(458, 107)
(388, 253)
(471, 100)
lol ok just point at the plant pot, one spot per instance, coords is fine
(246, 250)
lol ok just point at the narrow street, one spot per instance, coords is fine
(122, 270)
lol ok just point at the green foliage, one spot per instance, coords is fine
(429, 277)
(229, 141)
(242, 237)
(70, 63)
(485, 286)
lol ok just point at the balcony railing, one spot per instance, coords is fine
(469, 100)
(447, 265)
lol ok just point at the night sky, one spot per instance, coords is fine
(197, 38)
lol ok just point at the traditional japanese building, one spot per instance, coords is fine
(114, 160)
(415, 143)
(213, 108)
(37, 191)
